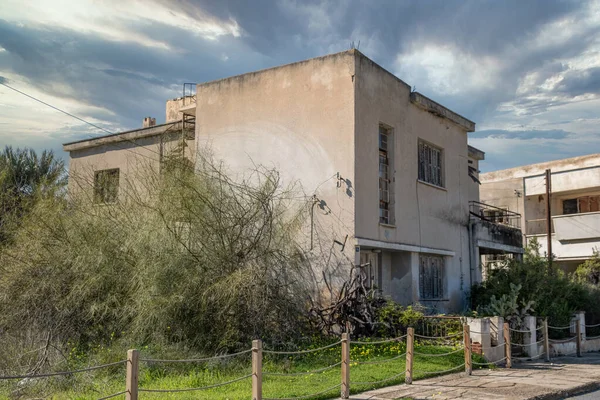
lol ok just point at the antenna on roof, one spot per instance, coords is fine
(414, 89)
(354, 45)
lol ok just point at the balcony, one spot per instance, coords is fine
(574, 236)
(495, 229)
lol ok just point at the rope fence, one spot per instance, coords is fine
(113, 395)
(410, 356)
(216, 385)
(63, 373)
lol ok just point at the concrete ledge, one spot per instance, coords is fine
(126, 136)
(437, 109)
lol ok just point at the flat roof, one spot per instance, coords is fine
(119, 137)
(565, 164)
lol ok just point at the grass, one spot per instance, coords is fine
(178, 376)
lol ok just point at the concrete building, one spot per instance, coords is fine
(99, 167)
(574, 204)
(388, 171)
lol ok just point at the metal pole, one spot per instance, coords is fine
(546, 340)
(578, 332)
(549, 216)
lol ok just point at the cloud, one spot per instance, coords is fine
(526, 72)
(522, 135)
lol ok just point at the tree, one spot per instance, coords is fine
(24, 178)
(589, 271)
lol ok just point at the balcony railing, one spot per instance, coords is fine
(494, 214)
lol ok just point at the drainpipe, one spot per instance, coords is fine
(471, 254)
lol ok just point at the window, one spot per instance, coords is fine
(431, 277)
(106, 186)
(371, 270)
(385, 189)
(430, 164)
(496, 215)
(582, 204)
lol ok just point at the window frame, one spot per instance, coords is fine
(590, 199)
(426, 166)
(101, 193)
(385, 176)
(435, 287)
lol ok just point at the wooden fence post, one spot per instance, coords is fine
(410, 346)
(257, 369)
(131, 384)
(467, 344)
(546, 340)
(345, 393)
(578, 333)
(507, 351)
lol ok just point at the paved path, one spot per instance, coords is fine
(589, 396)
(563, 377)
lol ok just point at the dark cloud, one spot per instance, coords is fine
(132, 81)
(581, 82)
(522, 134)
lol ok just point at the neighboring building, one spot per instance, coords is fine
(574, 204)
(98, 167)
(389, 170)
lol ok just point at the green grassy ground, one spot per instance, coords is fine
(365, 367)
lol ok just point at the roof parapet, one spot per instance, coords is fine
(437, 109)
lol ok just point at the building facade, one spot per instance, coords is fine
(574, 205)
(388, 171)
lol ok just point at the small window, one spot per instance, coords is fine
(106, 186)
(430, 164)
(431, 277)
(570, 206)
(584, 204)
(385, 189)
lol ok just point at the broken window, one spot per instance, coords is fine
(106, 186)
(430, 164)
(385, 155)
(582, 204)
(431, 277)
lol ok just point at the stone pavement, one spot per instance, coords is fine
(559, 379)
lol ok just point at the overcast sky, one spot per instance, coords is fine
(527, 72)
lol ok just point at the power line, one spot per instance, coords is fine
(91, 124)
(57, 109)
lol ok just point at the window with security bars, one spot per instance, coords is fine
(431, 277)
(385, 149)
(430, 164)
(106, 186)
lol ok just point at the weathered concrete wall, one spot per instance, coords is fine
(137, 158)
(504, 194)
(591, 160)
(174, 105)
(497, 233)
(565, 181)
(297, 118)
(426, 216)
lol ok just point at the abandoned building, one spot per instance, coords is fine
(389, 171)
(574, 205)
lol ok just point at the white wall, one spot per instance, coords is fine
(425, 215)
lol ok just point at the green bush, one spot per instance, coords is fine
(531, 286)
(203, 263)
